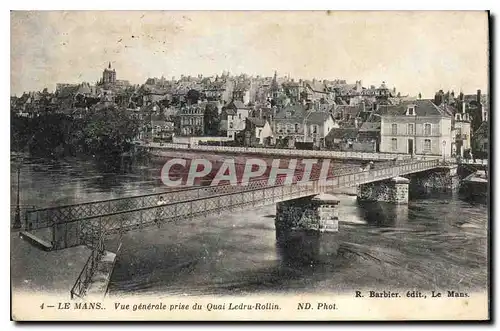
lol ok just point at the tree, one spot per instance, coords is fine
(193, 96)
(211, 120)
(109, 132)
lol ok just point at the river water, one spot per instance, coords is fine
(437, 242)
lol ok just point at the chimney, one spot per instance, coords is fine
(478, 96)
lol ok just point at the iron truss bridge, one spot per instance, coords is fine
(126, 214)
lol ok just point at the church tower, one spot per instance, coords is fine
(109, 75)
(275, 86)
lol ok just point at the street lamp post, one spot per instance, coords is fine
(17, 217)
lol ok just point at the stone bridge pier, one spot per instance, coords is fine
(398, 189)
(306, 228)
(394, 190)
(445, 179)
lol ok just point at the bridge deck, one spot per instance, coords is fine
(46, 217)
(221, 202)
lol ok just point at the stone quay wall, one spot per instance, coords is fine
(156, 148)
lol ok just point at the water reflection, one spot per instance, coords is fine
(304, 247)
(383, 214)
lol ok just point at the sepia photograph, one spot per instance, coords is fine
(249, 165)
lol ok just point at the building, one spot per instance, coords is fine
(480, 141)
(461, 128)
(417, 128)
(288, 124)
(257, 132)
(161, 129)
(233, 118)
(191, 120)
(317, 125)
(316, 91)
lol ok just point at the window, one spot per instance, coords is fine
(239, 116)
(411, 111)
(315, 129)
(296, 128)
(394, 144)
(427, 129)
(410, 129)
(394, 128)
(459, 131)
(230, 125)
(259, 132)
(427, 146)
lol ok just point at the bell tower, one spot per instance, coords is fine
(109, 75)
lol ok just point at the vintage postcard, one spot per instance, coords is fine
(249, 166)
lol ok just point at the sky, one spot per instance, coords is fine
(412, 51)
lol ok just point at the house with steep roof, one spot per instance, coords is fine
(417, 128)
(316, 91)
(257, 132)
(233, 118)
(296, 123)
(317, 125)
(288, 124)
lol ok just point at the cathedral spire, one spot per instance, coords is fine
(274, 83)
(109, 65)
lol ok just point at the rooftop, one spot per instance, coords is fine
(422, 108)
(256, 121)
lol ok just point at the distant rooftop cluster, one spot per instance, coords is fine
(280, 108)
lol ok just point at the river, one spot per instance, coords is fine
(438, 241)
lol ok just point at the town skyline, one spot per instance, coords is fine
(151, 44)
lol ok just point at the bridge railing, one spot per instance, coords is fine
(122, 221)
(82, 283)
(46, 217)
